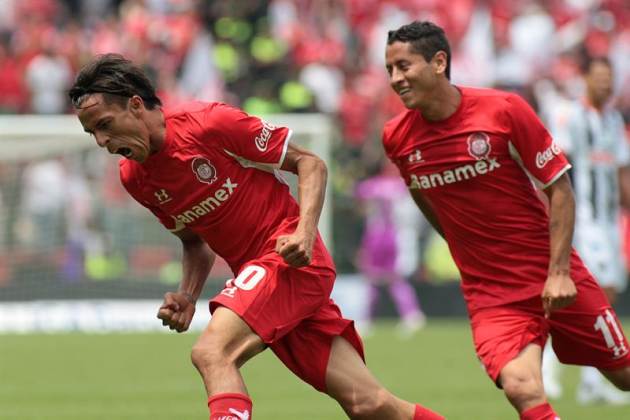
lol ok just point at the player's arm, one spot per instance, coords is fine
(297, 248)
(197, 259)
(427, 211)
(559, 290)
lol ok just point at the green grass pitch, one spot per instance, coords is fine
(149, 376)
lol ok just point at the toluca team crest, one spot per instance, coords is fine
(204, 170)
(479, 145)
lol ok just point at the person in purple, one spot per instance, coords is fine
(388, 252)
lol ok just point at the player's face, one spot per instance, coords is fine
(599, 82)
(411, 77)
(118, 129)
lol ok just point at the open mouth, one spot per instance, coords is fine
(401, 92)
(124, 151)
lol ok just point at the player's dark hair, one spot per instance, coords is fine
(588, 61)
(117, 78)
(426, 39)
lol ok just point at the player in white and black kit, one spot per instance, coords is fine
(592, 134)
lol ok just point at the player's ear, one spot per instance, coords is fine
(439, 62)
(136, 104)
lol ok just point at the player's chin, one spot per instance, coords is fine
(409, 101)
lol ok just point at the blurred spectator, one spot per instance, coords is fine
(388, 254)
(48, 77)
(12, 93)
(43, 205)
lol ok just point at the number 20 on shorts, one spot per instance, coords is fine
(246, 280)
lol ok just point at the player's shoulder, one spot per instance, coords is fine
(487, 95)
(395, 129)
(188, 109)
(203, 114)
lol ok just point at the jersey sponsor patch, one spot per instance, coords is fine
(209, 204)
(461, 173)
(543, 158)
(204, 170)
(262, 140)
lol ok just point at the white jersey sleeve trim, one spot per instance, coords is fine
(558, 175)
(538, 183)
(285, 147)
(267, 167)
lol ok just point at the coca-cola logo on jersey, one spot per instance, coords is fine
(543, 158)
(204, 170)
(479, 145)
(262, 139)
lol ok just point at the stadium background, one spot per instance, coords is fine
(68, 233)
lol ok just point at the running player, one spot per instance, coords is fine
(521, 279)
(209, 173)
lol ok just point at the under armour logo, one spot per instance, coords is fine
(416, 156)
(163, 196)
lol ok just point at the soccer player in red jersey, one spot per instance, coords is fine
(209, 173)
(469, 157)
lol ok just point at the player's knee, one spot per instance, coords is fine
(208, 354)
(523, 389)
(368, 406)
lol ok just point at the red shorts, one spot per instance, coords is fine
(585, 333)
(291, 310)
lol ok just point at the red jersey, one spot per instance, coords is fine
(217, 174)
(475, 169)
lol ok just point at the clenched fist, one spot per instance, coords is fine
(177, 311)
(296, 249)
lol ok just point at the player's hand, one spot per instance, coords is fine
(177, 311)
(559, 292)
(296, 249)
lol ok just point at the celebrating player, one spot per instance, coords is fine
(465, 155)
(208, 172)
(592, 134)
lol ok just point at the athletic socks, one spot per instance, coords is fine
(423, 413)
(540, 412)
(230, 407)
(239, 407)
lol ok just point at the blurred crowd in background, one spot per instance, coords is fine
(285, 56)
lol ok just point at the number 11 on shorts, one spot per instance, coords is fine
(614, 341)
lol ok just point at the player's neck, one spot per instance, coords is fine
(157, 127)
(443, 103)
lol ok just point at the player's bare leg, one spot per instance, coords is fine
(358, 392)
(223, 347)
(619, 377)
(521, 379)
